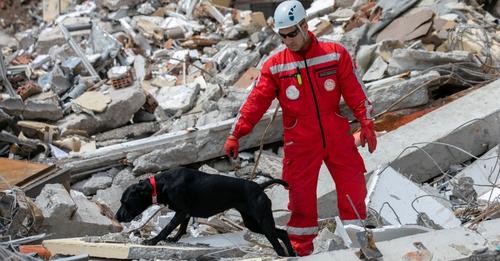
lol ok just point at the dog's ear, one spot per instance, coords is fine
(143, 186)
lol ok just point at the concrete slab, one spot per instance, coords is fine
(448, 244)
(391, 188)
(483, 171)
(220, 240)
(465, 123)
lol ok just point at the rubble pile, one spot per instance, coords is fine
(96, 95)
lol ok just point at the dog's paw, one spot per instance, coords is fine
(149, 242)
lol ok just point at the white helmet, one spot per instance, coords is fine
(288, 13)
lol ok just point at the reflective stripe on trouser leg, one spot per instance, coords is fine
(347, 170)
(301, 169)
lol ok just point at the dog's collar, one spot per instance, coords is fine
(154, 195)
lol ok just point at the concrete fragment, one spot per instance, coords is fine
(52, 36)
(129, 131)
(482, 172)
(110, 197)
(386, 94)
(56, 204)
(88, 219)
(405, 27)
(376, 70)
(114, 5)
(208, 140)
(407, 59)
(327, 241)
(90, 186)
(213, 116)
(403, 196)
(269, 164)
(183, 123)
(43, 106)
(442, 244)
(7, 40)
(126, 102)
(177, 98)
(207, 169)
(124, 178)
(166, 158)
(233, 71)
(93, 101)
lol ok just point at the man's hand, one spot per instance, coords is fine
(368, 135)
(231, 147)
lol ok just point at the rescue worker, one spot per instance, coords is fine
(309, 77)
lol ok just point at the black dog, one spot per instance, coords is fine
(192, 193)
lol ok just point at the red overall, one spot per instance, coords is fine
(308, 86)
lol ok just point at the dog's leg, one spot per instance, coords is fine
(182, 230)
(266, 228)
(271, 235)
(283, 235)
(176, 220)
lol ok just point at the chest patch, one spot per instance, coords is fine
(292, 92)
(329, 85)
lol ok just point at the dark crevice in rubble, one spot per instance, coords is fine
(445, 90)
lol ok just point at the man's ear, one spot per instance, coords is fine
(305, 26)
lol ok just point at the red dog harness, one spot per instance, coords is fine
(154, 195)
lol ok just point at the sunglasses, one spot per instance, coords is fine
(291, 34)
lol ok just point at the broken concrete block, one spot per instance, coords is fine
(376, 70)
(213, 117)
(480, 171)
(464, 190)
(183, 123)
(93, 101)
(386, 94)
(114, 5)
(129, 131)
(90, 186)
(207, 169)
(403, 60)
(124, 178)
(7, 41)
(110, 197)
(52, 36)
(43, 106)
(407, 27)
(56, 204)
(406, 197)
(269, 164)
(125, 103)
(88, 219)
(178, 98)
(327, 241)
(233, 71)
(162, 159)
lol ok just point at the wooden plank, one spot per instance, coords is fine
(15, 171)
(76, 246)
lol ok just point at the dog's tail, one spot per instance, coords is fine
(273, 181)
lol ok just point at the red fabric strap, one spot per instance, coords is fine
(154, 195)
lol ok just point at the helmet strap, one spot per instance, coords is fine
(304, 34)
